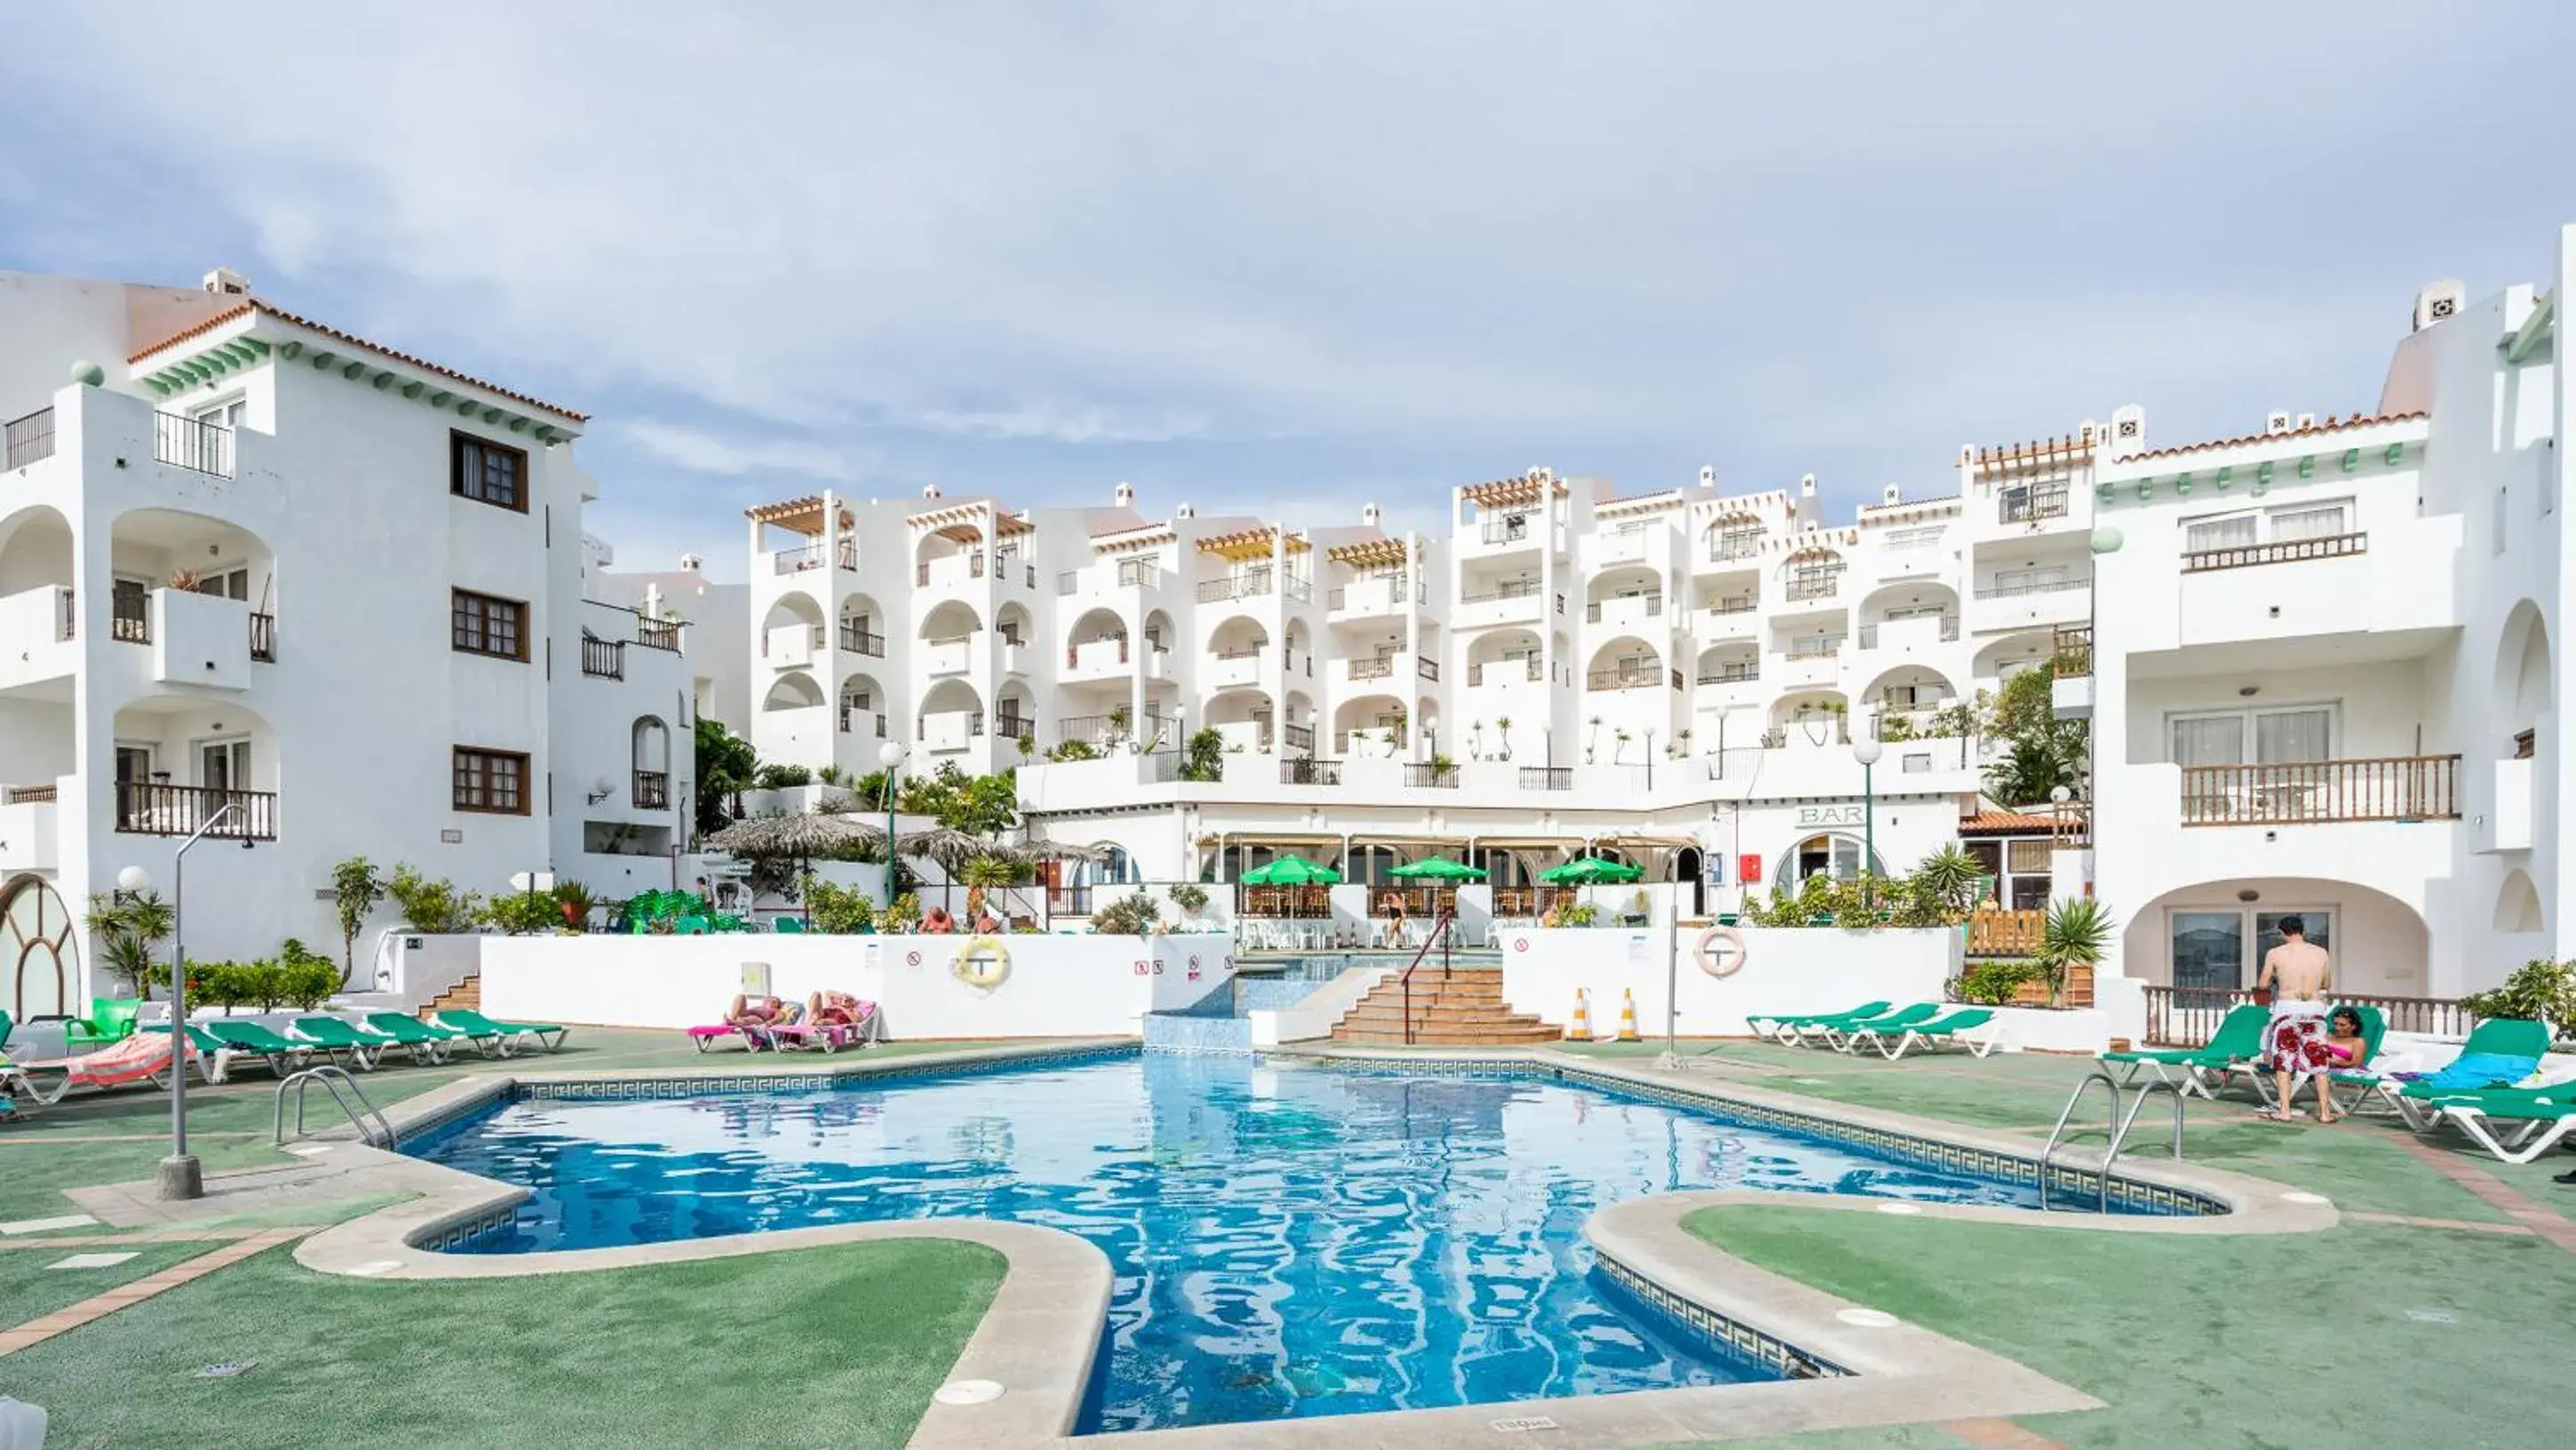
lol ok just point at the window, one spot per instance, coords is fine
(2309, 521)
(225, 583)
(479, 624)
(224, 765)
(2237, 531)
(491, 780)
(2290, 735)
(487, 472)
(2289, 524)
(1834, 854)
(2031, 580)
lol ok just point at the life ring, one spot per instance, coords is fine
(1717, 962)
(982, 963)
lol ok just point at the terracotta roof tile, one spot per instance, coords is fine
(2006, 823)
(2330, 425)
(266, 308)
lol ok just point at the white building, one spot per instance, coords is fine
(1671, 676)
(718, 619)
(248, 560)
(2324, 673)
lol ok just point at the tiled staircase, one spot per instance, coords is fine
(1452, 1007)
(467, 994)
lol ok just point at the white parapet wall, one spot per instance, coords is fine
(1054, 986)
(1783, 970)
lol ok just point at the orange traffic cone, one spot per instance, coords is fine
(1628, 1016)
(1581, 1031)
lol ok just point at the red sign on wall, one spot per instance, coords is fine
(1748, 869)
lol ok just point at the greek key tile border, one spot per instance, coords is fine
(838, 1076)
(1722, 1337)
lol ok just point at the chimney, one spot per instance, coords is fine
(1891, 494)
(1124, 495)
(2275, 423)
(691, 563)
(1185, 511)
(1369, 515)
(1807, 486)
(930, 490)
(225, 282)
(1707, 476)
(2439, 302)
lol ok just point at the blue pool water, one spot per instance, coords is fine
(1288, 1240)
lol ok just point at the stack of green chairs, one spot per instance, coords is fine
(110, 1020)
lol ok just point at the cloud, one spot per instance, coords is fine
(1061, 424)
(699, 451)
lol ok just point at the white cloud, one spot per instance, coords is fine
(699, 451)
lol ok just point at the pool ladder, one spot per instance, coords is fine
(2116, 1127)
(363, 1115)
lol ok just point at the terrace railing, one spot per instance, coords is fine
(193, 443)
(2331, 546)
(27, 440)
(2183, 1016)
(2399, 788)
(151, 808)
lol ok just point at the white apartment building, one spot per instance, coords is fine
(2324, 676)
(249, 560)
(1672, 676)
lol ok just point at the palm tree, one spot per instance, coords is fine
(1503, 737)
(1950, 877)
(2077, 932)
(126, 929)
(986, 873)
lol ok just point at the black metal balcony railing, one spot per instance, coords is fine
(66, 615)
(196, 444)
(605, 658)
(1305, 770)
(1424, 773)
(1504, 673)
(652, 790)
(1015, 727)
(151, 808)
(263, 638)
(27, 440)
(854, 714)
(129, 618)
(861, 642)
(1732, 674)
(662, 634)
(1376, 669)
(1509, 529)
(2399, 788)
(1137, 573)
(1746, 604)
(1547, 777)
(1654, 606)
(1512, 589)
(2332, 546)
(1427, 668)
(2029, 505)
(1632, 679)
(1250, 584)
(2189, 1016)
(1809, 587)
(1299, 737)
(2015, 589)
(1728, 547)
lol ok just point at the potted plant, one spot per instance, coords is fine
(1592, 742)
(1503, 737)
(1619, 747)
(2076, 934)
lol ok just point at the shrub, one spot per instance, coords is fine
(305, 978)
(1203, 756)
(1188, 898)
(1994, 983)
(781, 777)
(521, 913)
(900, 915)
(1073, 750)
(431, 906)
(1128, 916)
(838, 910)
(2542, 989)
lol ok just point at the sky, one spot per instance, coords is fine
(1290, 259)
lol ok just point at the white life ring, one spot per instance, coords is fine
(1717, 962)
(982, 963)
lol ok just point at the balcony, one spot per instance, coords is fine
(1111, 731)
(129, 617)
(2070, 688)
(1547, 777)
(1299, 737)
(199, 639)
(1250, 584)
(1235, 667)
(150, 808)
(1424, 775)
(1376, 669)
(1813, 649)
(1015, 727)
(1371, 597)
(2030, 504)
(1628, 609)
(797, 560)
(30, 829)
(662, 634)
(263, 639)
(954, 655)
(1907, 633)
(2294, 551)
(652, 790)
(39, 625)
(1426, 668)
(791, 646)
(2016, 604)
(858, 720)
(1305, 770)
(193, 444)
(1735, 548)
(1097, 659)
(1622, 679)
(1506, 672)
(2398, 788)
(1814, 590)
(1516, 602)
(952, 572)
(951, 731)
(27, 440)
(857, 641)
(1513, 531)
(1736, 674)
(603, 658)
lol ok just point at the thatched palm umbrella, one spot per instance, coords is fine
(797, 838)
(952, 849)
(1062, 851)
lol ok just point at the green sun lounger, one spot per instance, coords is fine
(281, 1055)
(1837, 1031)
(2515, 1124)
(425, 1045)
(1781, 1023)
(2419, 1102)
(1945, 1030)
(488, 1034)
(338, 1039)
(2202, 1070)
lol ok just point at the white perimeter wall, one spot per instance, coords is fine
(1785, 970)
(1059, 986)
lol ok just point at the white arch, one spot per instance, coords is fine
(792, 690)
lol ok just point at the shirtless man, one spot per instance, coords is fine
(2297, 974)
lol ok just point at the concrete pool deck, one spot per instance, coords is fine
(1910, 1373)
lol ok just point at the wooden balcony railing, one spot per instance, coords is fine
(662, 634)
(2005, 933)
(263, 638)
(2399, 788)
(652, 790)
(28, 795)
(150, 808)
(605, 658)
(2189, 1016)
(2332, 546)
(2071, 657)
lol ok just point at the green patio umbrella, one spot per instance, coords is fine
(1438, 868)
(1291, 871)
(1590, 871)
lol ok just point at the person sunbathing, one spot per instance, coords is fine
(986, 925)
(937, 922)
(832, 1009)
(753, 1017)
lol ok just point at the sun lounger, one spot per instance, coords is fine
(2202, 1070)
(1835, 1031)
(2515, 1124)
(1780, 1024)
(483, 1029)
(830, 1037)
(1950, 1029)
(705, 1038)
(339, 1039)
(281, 1055)
(427, 1046)
(2500, 1052)
(144, 1057)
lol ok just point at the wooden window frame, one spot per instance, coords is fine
(458, 485)
(456, 600)
(482, 759)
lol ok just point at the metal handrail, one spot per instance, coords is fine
(331, 1077)
(2115, 1128)
(1439, 934)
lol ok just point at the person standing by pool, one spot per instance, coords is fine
(2296, 973)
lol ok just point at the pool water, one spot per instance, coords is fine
(1288, 1240)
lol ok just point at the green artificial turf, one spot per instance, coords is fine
(2281, 1341)
(30, 1290)
(837, 1346)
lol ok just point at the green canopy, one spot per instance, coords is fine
(1291, 871)
(1589, 871)
(1438, 868)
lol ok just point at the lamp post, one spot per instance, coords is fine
(890, 755)
(1866, 751)
(181, 1176)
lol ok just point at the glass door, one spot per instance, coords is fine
(2208, 959)
(2316, 921)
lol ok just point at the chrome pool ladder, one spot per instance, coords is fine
(373, 1129)
(2116, 1127)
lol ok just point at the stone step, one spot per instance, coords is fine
(1421, 1014)
(1456, 1037)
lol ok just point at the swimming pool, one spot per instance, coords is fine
(1287, 1239)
